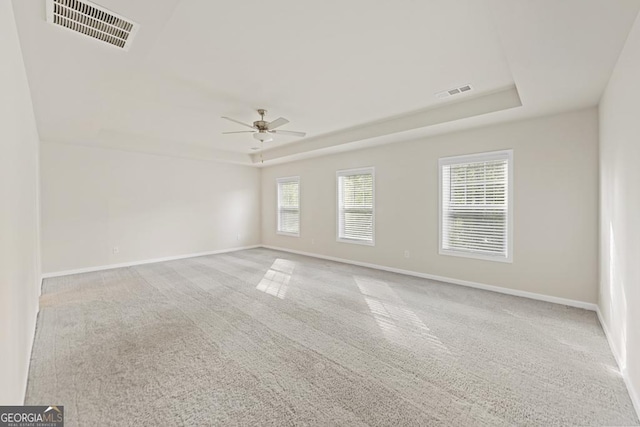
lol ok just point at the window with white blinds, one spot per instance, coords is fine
(475, 206)
(289, 206)
(356, 206)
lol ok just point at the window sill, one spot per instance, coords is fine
(472, 255)
(356, 242)
(283, 233)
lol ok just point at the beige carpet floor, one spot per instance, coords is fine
(261, 337)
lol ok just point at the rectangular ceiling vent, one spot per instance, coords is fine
(454, 91)
(93, 21)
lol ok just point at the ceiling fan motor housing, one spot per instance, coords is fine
(261, 125)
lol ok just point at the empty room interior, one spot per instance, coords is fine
(321, 213)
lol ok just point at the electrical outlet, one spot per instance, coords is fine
(313, 241)
(116, 250)
(407, 254)
(238, 237)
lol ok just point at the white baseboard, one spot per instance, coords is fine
(633, 394)
(605, 328)
(499, 289)
(30, 351)
(146, 261)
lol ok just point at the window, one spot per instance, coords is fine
(476, 206)
(289, 206)
(355, 206)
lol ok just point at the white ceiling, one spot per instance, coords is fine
(329, 67)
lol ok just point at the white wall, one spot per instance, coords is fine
(19, 263)
(555, 215)
(620, 211)
(149, 206)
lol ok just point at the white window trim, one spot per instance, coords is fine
(479, 157)
(358, 171)
(282, 180)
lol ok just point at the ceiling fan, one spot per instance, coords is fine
(263, 131)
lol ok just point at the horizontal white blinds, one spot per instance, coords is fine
(355, 216)
(289, 205)
(475, 206)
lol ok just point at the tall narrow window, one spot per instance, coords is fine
(356, 206)
(476, 206)
(289, 206)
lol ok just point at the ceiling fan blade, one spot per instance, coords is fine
(278, 122)
(289, 132)
(239, 122)
(239, 131)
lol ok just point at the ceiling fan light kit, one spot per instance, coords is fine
(262, 136)
(263, 130)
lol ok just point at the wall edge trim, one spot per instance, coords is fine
(633, 394)
(492, 288)
(142, 262)
(30, 352)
